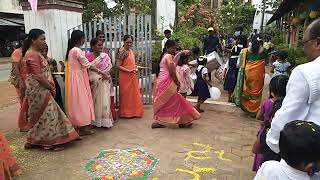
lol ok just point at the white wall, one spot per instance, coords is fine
(55, 23)
(10, 6)
(167, 10)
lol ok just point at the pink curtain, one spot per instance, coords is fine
(33, 4)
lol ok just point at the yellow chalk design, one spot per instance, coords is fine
(220, 155)
(196, 176)
(208, 148)
(196, 170)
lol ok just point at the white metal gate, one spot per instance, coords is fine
(114, 28)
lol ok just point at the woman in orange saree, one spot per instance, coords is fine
(49, 126)
(129, 90)
(169, 106)
(16, 80)
(250, 81)
(8, 165)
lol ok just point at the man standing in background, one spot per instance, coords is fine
(167, 34)
(211, 43)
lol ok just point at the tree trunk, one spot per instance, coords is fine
(176, 20)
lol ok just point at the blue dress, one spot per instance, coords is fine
(201, 88)
(232, 74)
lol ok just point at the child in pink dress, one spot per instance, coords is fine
(183, 74)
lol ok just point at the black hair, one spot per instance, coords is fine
(203, 62)
(167, 31)
(196, 51)
(183, 60)
(32, 36)
(170, 43)
(76, 37)
(315, 29)
(94, 42)
(22, 37)
(299, 143)
(278, 85)
(242, 39)
(255, 46)
(99, 32)
(282, 55)
(125, 37)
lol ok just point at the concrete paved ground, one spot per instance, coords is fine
(222, 128)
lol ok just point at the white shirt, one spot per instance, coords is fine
(204, 70)
(163, 43)
(274, 170)
(302, 101)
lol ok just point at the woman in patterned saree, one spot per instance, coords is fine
(169, 106)
(49, 126)
(100, 84)
(8, 165)
(250, 79)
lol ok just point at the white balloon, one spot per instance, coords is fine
(215, 93)
(267, 79)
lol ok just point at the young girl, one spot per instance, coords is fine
(201, 88)
(183, 74)
(231, 70)
(281, 66)
(277, 90)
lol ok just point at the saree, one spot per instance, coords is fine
(8, 164)
(48, 124)
(101, 90)
(250, 82)
(169, 106)
(129, 90)
(16, 57)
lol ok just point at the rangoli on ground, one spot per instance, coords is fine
(115, 164)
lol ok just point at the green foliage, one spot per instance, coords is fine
(156, 51)
(189, 36)
(97, 9)
(235, 14)
(295, 55)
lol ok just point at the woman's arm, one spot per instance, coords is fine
(122, 55)
(172, 70)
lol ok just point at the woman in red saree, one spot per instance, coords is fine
(8, 165)
(129, 90)
(49, 126)
(169, 106)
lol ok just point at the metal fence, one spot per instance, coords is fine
(114, 28)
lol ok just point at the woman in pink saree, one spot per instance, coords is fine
(169, 106)
(101, 85)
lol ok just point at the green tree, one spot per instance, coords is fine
(96, 9)
(235, 14)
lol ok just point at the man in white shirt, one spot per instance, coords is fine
(302, 101)
(300, 147)
(167, 34)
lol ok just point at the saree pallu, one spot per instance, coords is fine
(169, 106)
(49, 125)
(250, 84)
(129, 90)
(8, 164)
(101, 90)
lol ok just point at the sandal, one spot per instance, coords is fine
(53, 148)
(29, 146)
(200, 110)
(157, 125)
(85, 132)
(186, 126)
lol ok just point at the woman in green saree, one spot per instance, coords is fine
(250, 81)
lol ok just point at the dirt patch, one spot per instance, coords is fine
(8, 95)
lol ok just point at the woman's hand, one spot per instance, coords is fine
(53, 91)
(134, 71)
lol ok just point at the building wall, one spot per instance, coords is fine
(10, 6)
(55, 23)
